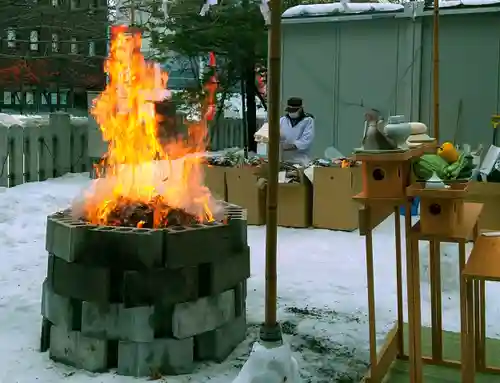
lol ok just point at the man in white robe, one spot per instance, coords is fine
(297, 133)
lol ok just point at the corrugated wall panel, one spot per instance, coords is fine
(368, 75)
(469, 70)
(387, 64)
(308, 72)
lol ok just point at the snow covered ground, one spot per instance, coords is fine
(322, 294)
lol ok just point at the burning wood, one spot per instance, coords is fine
(155, 214)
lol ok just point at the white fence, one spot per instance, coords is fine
(39, 149)
(36, 150)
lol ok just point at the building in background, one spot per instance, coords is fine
(51, 53)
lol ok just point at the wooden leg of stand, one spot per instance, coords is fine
(477, 322)
(371, 294)
(475, 232)
(463, 305)
(479, 316)
(417, 312)
(436, 305)
(410, 299)
(482, 298)
(399, 281)
(480, 323)
(413, 289)
(468, 359)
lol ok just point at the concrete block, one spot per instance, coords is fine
(74, 349)
(163, 319)
(99, 319)
(126, 248)
(113, 321)
(182, 244)
(239, 232)
(226, 273)
(65, 238)
(136, 323)
(240, 297)
(59, 310)
(91, 284)
(45, 335)
(205, 314)
(162, 356)
(160, 285)
(50, 268)
(218, 344)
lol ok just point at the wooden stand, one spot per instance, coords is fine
(483, 265)
(381, 197)
(437, 228)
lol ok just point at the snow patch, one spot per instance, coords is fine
(334, 8)
(322, 295)
(269, 365)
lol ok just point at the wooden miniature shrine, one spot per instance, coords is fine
(411, 352)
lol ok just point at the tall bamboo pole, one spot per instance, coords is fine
(435, 70)
(271, 331)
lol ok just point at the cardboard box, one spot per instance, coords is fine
(487, 193)
(247, 189)
(215, 180)
(295, 203)
(333, 189)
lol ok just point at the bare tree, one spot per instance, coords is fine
(50, 45)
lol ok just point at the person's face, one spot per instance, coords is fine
(294, 112)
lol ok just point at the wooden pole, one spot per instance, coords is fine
(272, 185)
(435, 70)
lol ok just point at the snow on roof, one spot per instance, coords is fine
(341, 8)
(311, 10)
(467, 3)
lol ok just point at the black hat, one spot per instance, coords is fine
(293, 104)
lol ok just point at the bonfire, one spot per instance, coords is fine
(147, 183)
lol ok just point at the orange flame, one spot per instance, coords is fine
(138, 168)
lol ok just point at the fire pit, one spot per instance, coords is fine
(146, 273)
(144, 301)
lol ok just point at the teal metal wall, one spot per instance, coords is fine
(342, 65)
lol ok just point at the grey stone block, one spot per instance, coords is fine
(167, 286)
(58, 309)
(239, 231)
(74, 349)
(50, 268)
(65, 238)
(182, 244)
(45, 335)
(113, 321)
(163, 319)
(162, 356)
(218, 344)
(80, 282)
(205, 314)
(226, 273)
(240, 297)
(125, 248)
